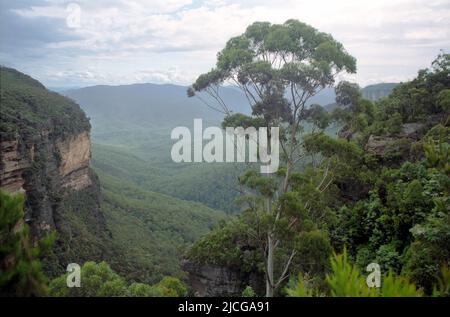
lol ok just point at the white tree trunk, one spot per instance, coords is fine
(269, 277)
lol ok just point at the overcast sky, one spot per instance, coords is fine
(173, 41)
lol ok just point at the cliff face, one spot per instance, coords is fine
(46, 168)
(377, 91)
(216, 281)
(45, 152)
(75, 153)
(13, 164)
(69, 155)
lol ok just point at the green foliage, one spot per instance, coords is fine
(313, 252)
(389, 208)
(248, 292)
(249, 60)
(422, 96)
(328, 146)
(398, 286)
(379, 227)
(21, 272)
(79, 216)
(388, 257)
(410, 102)
(354, 112)
(264, 185)
(136, 161)
(136, 216)
(437, 149)
(96, 280)
(348, 94)
(443, 100)
(430, 249)
(219, 247)
(345, 280)
(27, 106)
(299, 287)
(99, 280)
(443, 286)
(143, 290)
(241, 120)
(318, 116)
(172, 287)
(278, 67)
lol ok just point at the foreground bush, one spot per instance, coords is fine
(98, 279)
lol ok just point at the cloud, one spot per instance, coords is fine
(96, 76)
(390, 39)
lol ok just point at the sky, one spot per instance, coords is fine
(83, 43)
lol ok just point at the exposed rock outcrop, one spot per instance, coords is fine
(12, 166)
(413, 130)
(44, 167)
(71, 156)
(75, 153)
(377, 91)
(399, 147)
(212, 280)
(380, 145)
(349, 135)
(45, 153)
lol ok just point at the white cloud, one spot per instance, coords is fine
(42, 12)
(394, 35)
(97, 76)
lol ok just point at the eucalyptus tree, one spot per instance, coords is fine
(278, 67)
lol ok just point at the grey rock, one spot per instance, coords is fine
(412, 129)
(213, 280)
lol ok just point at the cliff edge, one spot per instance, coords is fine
(45, 152)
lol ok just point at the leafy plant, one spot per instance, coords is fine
(248, 292)
(21, 270)
(99, 280)
(345, 280)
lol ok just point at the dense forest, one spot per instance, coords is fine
(141, 234)
(386, 199)
(378, 192)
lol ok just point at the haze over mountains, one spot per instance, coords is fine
(164, 104)
(131, 126)
(151, 104)
(376, 91)
(168, 104)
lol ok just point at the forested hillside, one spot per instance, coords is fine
(387, 199)
(131, 135)
(151, 231)
(377, 193)
(377, 91)
(61, 212)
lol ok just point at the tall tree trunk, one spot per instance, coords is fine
(270, 253)
(289, 164)
(269, 277)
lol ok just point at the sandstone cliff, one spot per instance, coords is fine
(216, 281)
(45, 153)
(44, 168)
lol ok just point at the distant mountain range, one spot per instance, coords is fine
(165, 105)
(161, 104)
(151, 104)
(374, 92)
(131, 126)
(371, 92)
